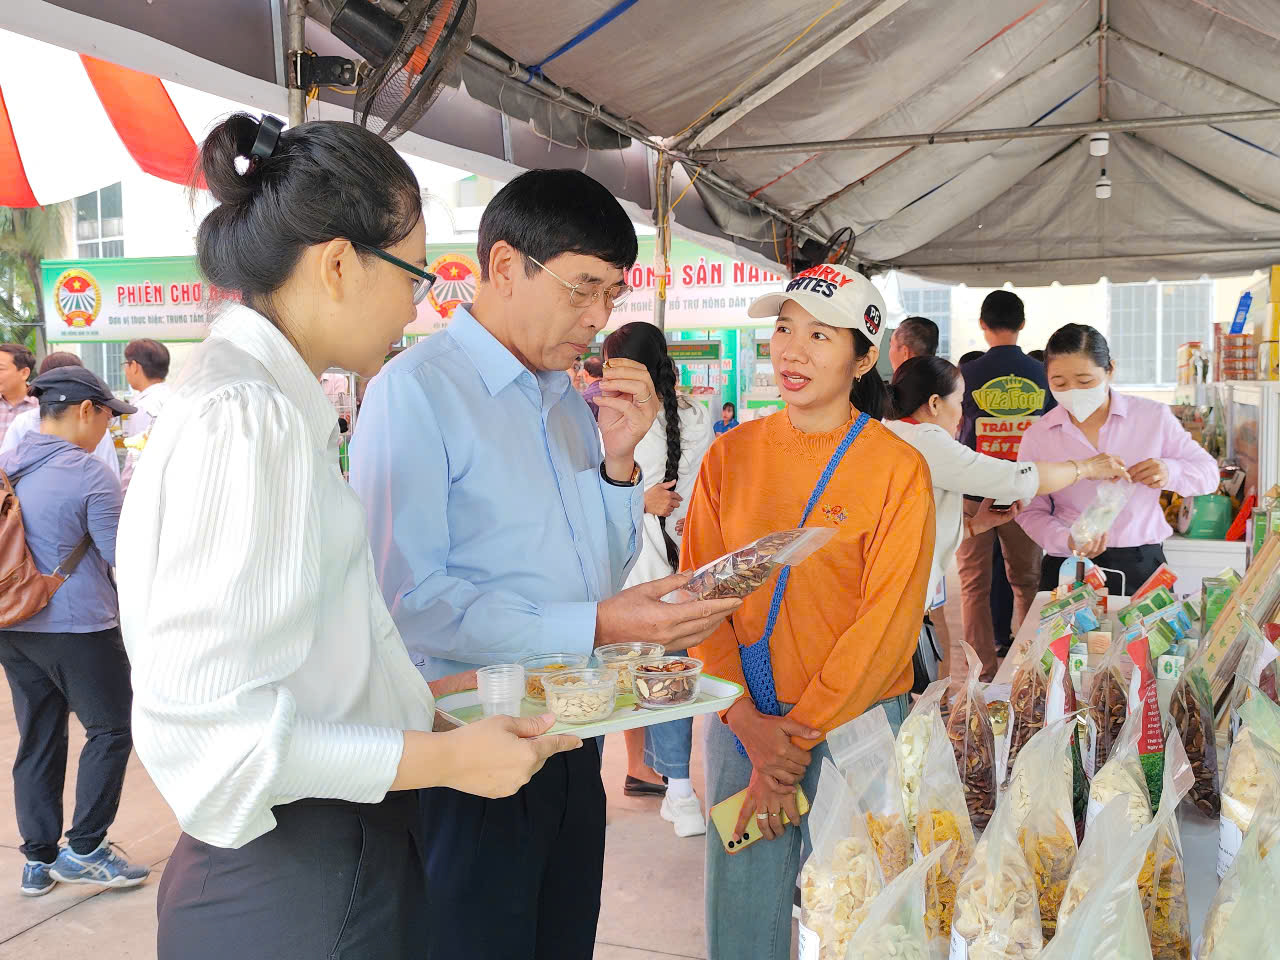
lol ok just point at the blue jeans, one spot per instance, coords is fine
(667, 745)
(749, 894)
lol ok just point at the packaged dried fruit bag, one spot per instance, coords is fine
(896, 927)
(742, 572)
(997, 907)
(1247, 778)
(1243, 920)
(1110, 832)
(1108, 702)
(1097, 518)
(1144, 700)
(913, 742)
(1029, 695)
(1191, 710)
(864, 751)
(943, 821)
(842, 875)
(972, 740)
(1255, 672)
(1162, 879)
(1122, 777)
(1041, 796)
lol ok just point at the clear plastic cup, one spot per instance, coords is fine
(501, 688)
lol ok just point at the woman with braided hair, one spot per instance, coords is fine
(669, 455)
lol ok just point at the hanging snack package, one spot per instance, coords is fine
(1109, 833)
(969, 729)
(895, 926)
(997, 911)
(1247, 781)
(1109, 702)
(1040, 794)
(1144, 700)
(863, 750)
(744, 571)
(1249, 891)
(913, 742)
(1122, 776)
(1162, 880)
(943, 821)
(842, 875)
(1097, 518)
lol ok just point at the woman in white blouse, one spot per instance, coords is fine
(275, 706)
(926, 395)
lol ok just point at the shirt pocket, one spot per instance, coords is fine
(589, 529)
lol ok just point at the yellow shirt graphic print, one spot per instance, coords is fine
(1009, 397)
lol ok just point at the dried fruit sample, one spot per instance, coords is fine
(1050, 857)
(1164, 900)
(1193, 720)
(935, 828)
(668, 683)
(836, 895)
(969, 730)
(892, 843)
(1109, 706)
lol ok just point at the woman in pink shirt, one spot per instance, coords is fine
(1092, 418)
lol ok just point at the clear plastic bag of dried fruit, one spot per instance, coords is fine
(1040, 794)
(1243, 920)
(1255, 674)
(912, 743)
(1029, 696)
(746, 570)
(1110, 832)
(1109, 701)
(997, 911)
(1162, 878)
(1097, 518)
(1192, 716)
(842, 875)
(1122, 777)
(974, 744)
(895, 927)
(863, 750)
(1248, 778)
(943, 820)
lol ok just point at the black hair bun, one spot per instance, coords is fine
(231, 141)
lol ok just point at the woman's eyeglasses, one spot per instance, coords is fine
(588, 292)
(421, 286)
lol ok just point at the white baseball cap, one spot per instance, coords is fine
(836, 295)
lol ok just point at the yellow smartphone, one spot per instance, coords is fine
(725, 816)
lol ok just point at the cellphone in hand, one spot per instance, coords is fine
(725, 816)
(1002, 507)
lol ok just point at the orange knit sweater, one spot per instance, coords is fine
(850, 617)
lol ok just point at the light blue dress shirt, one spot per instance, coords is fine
(493, 534)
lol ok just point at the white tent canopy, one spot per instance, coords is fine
(705, 79)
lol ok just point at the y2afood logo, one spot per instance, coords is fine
(1009, 397)
(77, 297)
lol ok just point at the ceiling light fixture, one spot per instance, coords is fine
(1099, 144)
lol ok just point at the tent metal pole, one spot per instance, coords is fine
(1103, 26)
(662, 242)
(295, 43)
(497, 61)
(924, 268)
(999, 133)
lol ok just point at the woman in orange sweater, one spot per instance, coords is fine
(834, 636)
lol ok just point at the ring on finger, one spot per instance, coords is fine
(646, 398)
(763, 816)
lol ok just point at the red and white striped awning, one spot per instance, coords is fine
(71, 124)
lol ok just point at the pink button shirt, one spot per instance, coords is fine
(1137, 429)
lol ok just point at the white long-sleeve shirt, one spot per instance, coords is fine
(266, 668)
(958, 470)
(150, 402)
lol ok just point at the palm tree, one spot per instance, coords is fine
(27, 236)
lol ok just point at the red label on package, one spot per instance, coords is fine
(1143, 695)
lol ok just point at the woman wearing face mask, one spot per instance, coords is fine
(1091, 417)
(926, 395)
(274, 704)
(834, 637)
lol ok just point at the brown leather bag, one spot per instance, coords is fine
(24, 590)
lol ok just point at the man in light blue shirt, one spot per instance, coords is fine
(503, 524)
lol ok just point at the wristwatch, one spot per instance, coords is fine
(635, 477)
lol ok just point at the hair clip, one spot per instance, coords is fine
(264, 145)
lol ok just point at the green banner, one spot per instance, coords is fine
(163, 298)
(762, 350)
(687, 350)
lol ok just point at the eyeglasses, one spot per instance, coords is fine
(421, 286)
(588, 292)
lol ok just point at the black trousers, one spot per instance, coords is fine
(332, 881)
(50, 676)
(1137, 564)
(518, 878)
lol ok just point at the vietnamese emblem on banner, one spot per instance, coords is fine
(78, 298)
(458, 275)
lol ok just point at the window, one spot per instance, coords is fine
(100, 224)
(1166, 314)
(935, 304)
(107, 361)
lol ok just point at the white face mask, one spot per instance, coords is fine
(1082, 403)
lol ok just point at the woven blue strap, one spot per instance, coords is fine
(757, 663)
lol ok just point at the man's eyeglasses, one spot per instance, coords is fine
(588, 292)
(421, 286)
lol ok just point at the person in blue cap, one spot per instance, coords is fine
(68, 656)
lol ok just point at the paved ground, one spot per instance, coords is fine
(650, 874)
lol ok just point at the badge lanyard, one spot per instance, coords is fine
(757, 664)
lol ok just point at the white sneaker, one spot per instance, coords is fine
(686, 814)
